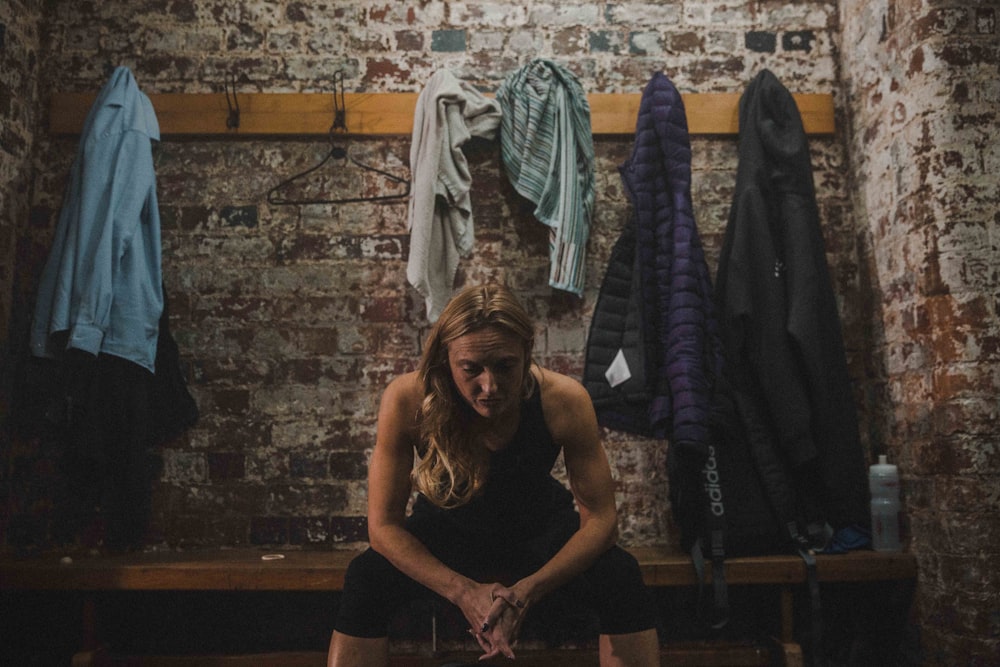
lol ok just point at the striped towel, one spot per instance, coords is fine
(548, 152)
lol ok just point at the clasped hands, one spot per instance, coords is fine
(498, 629)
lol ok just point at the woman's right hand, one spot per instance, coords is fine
(501, 625)
(493, 622)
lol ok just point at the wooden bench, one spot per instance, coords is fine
(241, 570)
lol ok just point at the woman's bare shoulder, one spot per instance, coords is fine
(556, 386)
(404, 391)
(400, 404)
(407, 383)
(564, 400)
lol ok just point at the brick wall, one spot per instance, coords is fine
(290, 320)
(922, 80)
(19, 46)
(19, 65)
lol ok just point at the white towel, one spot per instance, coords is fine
(449, 112)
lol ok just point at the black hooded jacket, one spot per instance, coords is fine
(780, 324)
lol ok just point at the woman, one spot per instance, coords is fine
(491, 530)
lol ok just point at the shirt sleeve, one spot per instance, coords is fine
(116, 178)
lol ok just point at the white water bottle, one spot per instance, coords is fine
(883, 481)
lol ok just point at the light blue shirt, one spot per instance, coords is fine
(101, 289)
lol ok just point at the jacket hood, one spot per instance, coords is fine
(771, 127)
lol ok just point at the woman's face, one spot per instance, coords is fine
(487, 367)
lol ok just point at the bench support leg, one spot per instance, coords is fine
(787, 616)
(88, 627)
(791, 655)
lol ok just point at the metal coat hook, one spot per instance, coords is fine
(339, 105)
(233, 119)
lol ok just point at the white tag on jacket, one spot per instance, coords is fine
(618, 372)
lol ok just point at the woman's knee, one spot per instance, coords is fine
(371, 588)
(615, 564)
(368, 566)
(624, 603)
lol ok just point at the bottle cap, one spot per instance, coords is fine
(883, 466)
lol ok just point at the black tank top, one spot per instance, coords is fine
(520, 489)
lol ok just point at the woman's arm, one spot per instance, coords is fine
(570, 417)
(389, 490)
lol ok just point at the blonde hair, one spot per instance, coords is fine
(451, 471)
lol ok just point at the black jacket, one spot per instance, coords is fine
(780, 323)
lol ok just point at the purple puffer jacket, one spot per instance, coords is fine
(677, 293)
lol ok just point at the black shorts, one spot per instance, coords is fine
(612, 587)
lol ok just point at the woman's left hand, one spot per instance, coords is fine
(503, 622)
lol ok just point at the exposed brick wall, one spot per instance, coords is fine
(19, 46)
(290, 320)
(924, 89)
(19, 65)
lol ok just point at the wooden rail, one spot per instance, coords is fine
(311, 114)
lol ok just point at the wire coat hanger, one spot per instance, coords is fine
(338, 152)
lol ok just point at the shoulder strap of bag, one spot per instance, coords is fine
(720, 590)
